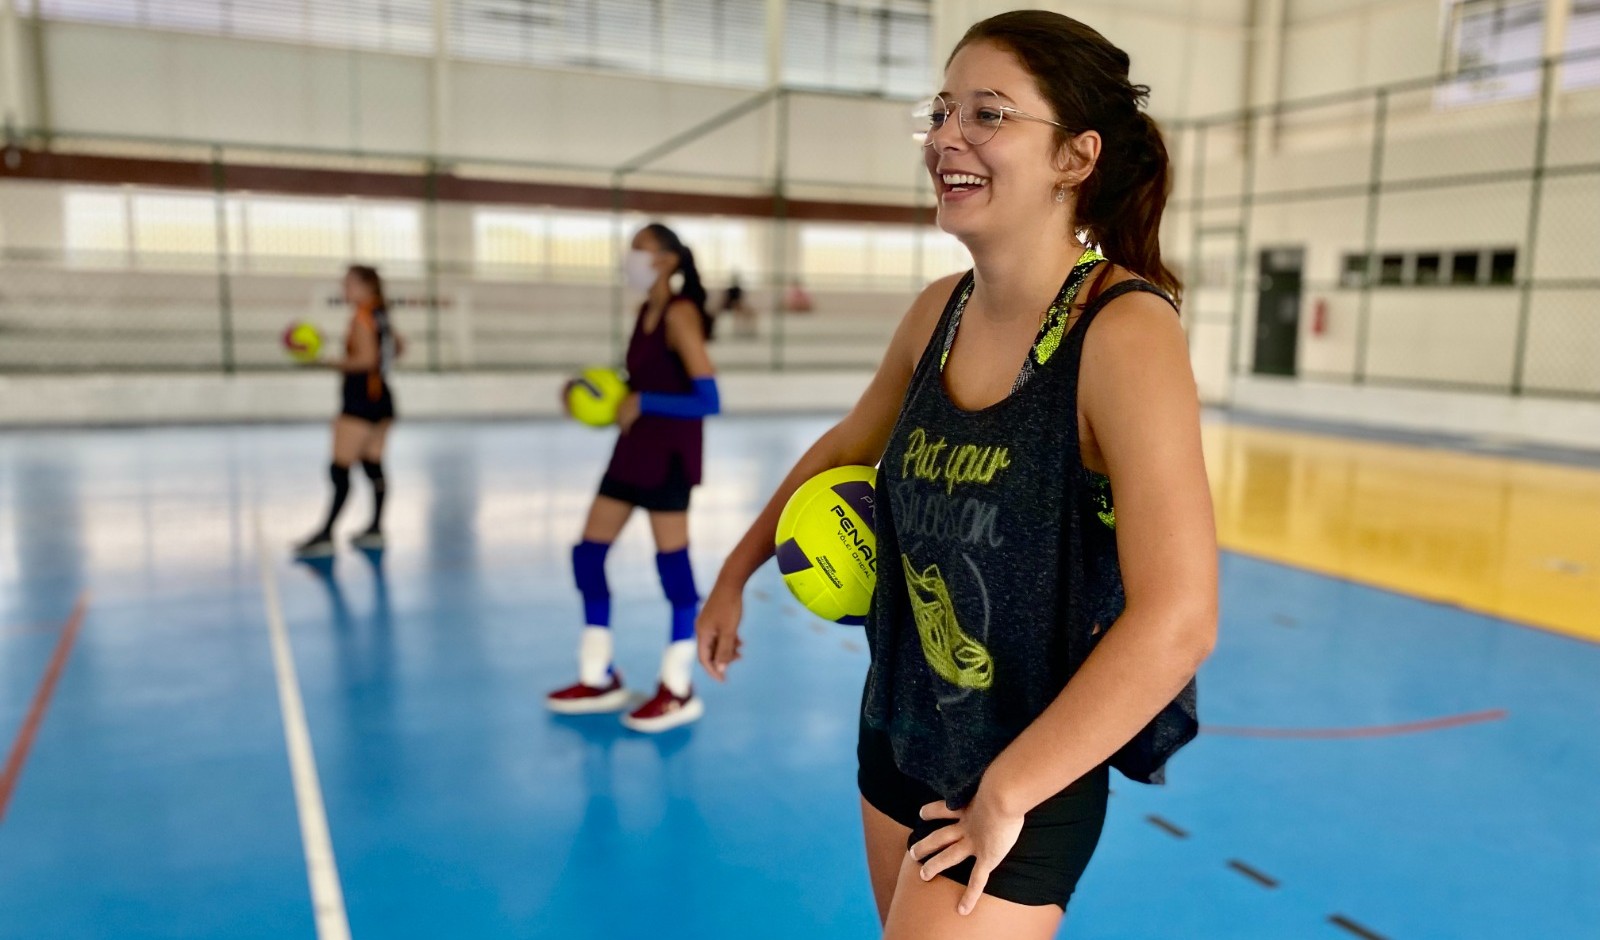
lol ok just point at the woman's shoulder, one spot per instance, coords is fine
(1133, 323)
(1146, 297)
(682, 310)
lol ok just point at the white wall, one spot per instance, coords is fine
(105, 79)
(1190, 52)
(1335, 45)
(110, 80)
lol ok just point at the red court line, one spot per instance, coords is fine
(41, 701)
(1369, 731)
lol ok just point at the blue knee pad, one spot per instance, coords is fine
(677, 579)
(589, 570)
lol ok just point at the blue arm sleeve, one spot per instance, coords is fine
(703, 402)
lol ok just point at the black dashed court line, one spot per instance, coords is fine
(818, 629)
(1345, 923)
(852, 646)
(761, 595)
(1284, 620)
(1170, 829)
(1254, 874)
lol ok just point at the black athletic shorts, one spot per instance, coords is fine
(358, 403)
(671, 496)
(1058, 836)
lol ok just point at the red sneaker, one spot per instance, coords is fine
(664, 712)
(580, 699)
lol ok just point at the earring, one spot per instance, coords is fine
(1061, 194)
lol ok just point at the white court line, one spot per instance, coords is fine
(327, 897)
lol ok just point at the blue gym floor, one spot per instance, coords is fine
(156, 798)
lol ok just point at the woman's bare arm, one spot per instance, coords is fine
(859, 438)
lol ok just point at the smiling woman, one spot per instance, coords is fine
(1031, 634)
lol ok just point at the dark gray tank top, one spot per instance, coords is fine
(997, 570)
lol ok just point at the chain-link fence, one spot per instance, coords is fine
(1441, 233)
(489, 264)
(1400, 235)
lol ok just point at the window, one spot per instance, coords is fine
(561, 245)
(175, 230)
(109, 227)
(1428, 269)
(387, 25)
(722, 248)
(387, 233)
(504, 239)
(583, 245)
(1353, 273)
(1583, 36)
(1503, 266)
(833, 253)
(1491, 48)
(96, 224)
(942, 254)
(699, 40)
(1464, 267)
(895, 257)
(1392, 270)
(882, 46)
(286, 229)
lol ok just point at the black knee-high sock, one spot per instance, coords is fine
(341, 489)
(380, 486)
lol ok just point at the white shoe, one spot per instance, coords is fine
(371, 540)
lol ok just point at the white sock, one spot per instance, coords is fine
(594, 657)
(677, 667)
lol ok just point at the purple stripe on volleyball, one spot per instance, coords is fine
(791, 558)
(857, 494)
(853, 620)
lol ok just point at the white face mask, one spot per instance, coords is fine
(639, 270)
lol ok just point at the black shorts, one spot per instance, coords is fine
(1058, 836)
(672, 495)
(358, 404)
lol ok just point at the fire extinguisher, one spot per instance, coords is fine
(1319, 317)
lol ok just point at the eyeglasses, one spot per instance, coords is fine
(979, 117)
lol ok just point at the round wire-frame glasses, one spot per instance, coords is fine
(979, 117)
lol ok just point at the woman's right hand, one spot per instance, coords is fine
(718, 631)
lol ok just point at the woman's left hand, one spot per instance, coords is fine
(981, 831)
(628, 412)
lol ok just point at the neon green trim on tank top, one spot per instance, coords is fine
(1051, 331)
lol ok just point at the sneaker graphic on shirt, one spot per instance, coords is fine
(953, 655)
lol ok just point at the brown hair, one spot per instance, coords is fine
(369, 276)
(693, 290)
(1085, 79)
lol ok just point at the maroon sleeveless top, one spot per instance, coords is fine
(645, 454)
